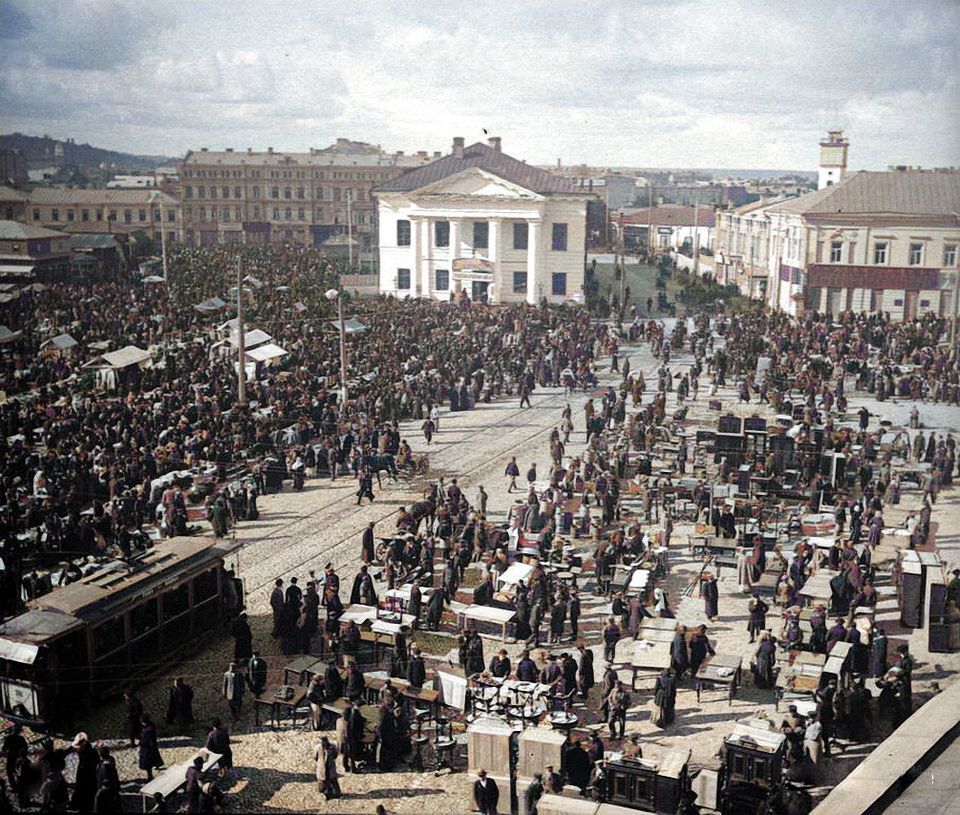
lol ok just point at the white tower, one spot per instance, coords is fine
(833, 159)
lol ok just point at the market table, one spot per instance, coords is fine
(647, 662)
(173, 778)
(720, 669)
(304, 668)
(657, 629)
(488, 614)
(276, 705)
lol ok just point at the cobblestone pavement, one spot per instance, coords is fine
(302, 531)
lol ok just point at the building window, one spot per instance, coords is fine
(403, 234)
(225, 214)
(299, 192)
(949, 254)
(519, 280)
(559, 281)
(256, 192)
(521, 231)
(441, 234)
(916, 254)
(880, 253)
(171, 216)
(301, 214)
(256, 211)
(128, 216)
(142, 215)
(84, 214)
(55, 215)
(70, 215)
(403, 279)
(276, 213)
(288, 214)
(201, 192)
(559, 243)
(287, 193)
(99, 214)
(36, 215)
(442, 279)
(836, 251)
(188, 191)
(481, 235)
(226, 192)
(238, 192)
(113, 215)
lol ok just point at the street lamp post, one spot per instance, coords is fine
(331, 295)
(155, 197)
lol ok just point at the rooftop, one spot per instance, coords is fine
(484, 157)
(15, 231)
(343, 153)
(670, 216)
(74, 195)
(902, 192)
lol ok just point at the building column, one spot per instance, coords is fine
(415, 272)
(425, 240)
(495, 252)
(533, 260)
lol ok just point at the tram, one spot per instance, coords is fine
(123, 620)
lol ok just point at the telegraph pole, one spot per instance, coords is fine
(242, 373)
(350, 227)
(623, 265)
(696, 236)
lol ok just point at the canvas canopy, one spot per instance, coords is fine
(250, 339)
(61, 342)
(265, 352)
(351, 325)
(6, 335)
(130, 355)
(213, 304)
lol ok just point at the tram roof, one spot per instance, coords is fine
(96, 595)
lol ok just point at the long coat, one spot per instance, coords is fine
(585, 671)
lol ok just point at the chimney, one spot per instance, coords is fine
(399, 152)
(229, 149)
(270, 150)
(204, 149)
(421, 153)
(458, 146)
(494, 142)
(249, 151)
(436, 154)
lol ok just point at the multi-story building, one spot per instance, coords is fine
(280, 197)
(13, 204)
(874, 241)
(481, 222)
(116, 212)
(742, 245)
(670, 227)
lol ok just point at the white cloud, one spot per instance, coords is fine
(654, 83)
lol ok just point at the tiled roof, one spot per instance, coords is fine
(66, 196)
(483, 157)
(904, 192)
(10, 195)
(15, 231)
(328, 157)
(670, 216)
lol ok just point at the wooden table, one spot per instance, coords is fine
(277, 705)
(802, 677)
(173, 778)
(304, 669)
(709, 671)
(648, 662)
(488, 614)
(657, 629)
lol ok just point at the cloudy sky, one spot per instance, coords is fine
(652, 83)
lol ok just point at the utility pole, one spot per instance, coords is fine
(696, 236)
(242, 373)
(649, 220)
(623, 265)
(155, 196)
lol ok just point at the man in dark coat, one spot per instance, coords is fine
(180, 706)
(435, 608)
(276, 606)
(500, 665)
(416, 602)
(679, 658)
(526, 668)
(363, 591)
(367, 545)
(416, 670)
(585, 677)
(257, 674)
(242, 640)
(485, 794)
(332, 682)
(711, 597)
(573, 613)
(700, 648)
(664, 698)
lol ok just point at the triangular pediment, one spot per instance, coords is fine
(477, 183)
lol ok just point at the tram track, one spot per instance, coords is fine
(333, 551)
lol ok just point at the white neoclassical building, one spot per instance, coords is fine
(484, 223)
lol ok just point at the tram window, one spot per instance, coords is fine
(738, 765)
(621, 786)
(643, 789)
(176, 602)
(204, 586)
(144, 618)
(108, 637)
(760, 768)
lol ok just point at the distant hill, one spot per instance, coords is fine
(43, 151)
